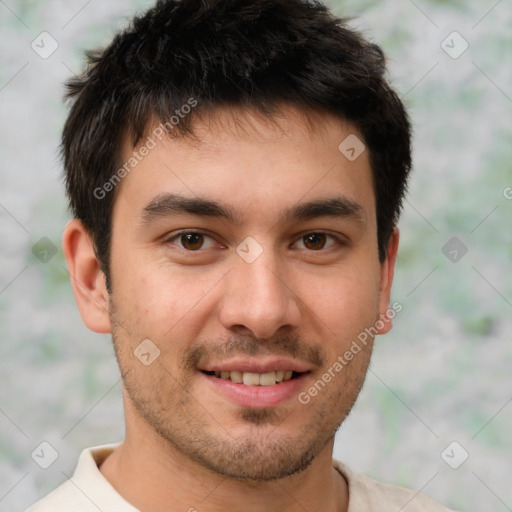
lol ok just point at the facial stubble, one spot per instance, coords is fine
(258, 449)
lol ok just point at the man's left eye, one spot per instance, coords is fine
(317, 241)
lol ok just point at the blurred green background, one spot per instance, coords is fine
(442, 375)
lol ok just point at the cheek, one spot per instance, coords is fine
(163, 300)
(346, 299)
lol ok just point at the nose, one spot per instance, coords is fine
(259, 297)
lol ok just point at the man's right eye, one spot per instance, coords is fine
(192, 240)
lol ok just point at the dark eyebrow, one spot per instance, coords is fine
(169, 204)
(332, 207)
(165, 205)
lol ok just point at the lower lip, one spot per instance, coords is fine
(257, 397)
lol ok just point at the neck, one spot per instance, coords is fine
(152, 476)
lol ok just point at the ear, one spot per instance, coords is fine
(387, 271)
(87, 279)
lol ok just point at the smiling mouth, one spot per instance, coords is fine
(255, 379)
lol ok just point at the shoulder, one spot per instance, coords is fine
(87, 490)
(365, 493)
(65, 498)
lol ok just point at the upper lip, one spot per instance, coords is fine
(260, 365)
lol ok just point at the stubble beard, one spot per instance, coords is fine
(261, 453)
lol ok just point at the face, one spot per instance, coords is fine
(244, 259)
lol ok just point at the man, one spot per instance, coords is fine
(236, 171)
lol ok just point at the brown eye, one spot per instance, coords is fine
(315, 241)
(318, 241)
(192, 241)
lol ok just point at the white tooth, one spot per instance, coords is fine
(251, 379)
(217, 374)
(279, 375)
(288, 375)
(268, 379)
(224, 375)
(236, 376)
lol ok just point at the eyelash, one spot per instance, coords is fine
(338, 240)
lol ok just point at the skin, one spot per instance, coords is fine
(188, 445)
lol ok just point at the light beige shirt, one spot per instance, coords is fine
(89, 491)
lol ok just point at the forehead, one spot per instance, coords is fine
(251, 161)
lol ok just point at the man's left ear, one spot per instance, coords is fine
(387, 271)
